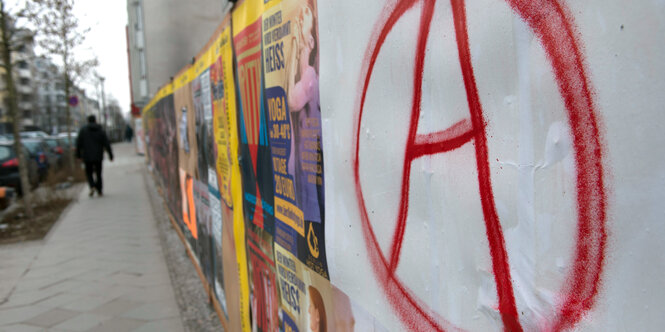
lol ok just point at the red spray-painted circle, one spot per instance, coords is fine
(553, 26)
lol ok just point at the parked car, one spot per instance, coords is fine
(6, 196)
(64, 138)
(51, 154)
(33, 134)
(39, 151)
(56, 149)
(64, 143)
(74, 135)
(9, 174)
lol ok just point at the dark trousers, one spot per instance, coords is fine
(96, 168)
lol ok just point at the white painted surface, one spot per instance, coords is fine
(446, 260)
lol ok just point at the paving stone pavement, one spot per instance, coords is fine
(101, 268)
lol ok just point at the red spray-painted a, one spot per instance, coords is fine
(553, 26)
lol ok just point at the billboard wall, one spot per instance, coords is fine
(489, 165)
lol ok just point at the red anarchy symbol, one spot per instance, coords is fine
(553, 26)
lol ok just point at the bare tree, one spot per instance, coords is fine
(59, 34)
(10, 42)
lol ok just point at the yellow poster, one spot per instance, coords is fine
(290, 48)
(244, 14)
(291, 284)
(235, 191)
(306, 297)
(224, 104)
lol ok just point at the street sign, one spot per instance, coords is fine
(73, 101)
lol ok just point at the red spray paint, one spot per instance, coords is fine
(553, 27)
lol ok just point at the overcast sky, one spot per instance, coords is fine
(106, 39)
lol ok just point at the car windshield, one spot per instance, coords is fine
(6, 152)
(33, 146)
(52, 143)
(33, 134)
(64, 141)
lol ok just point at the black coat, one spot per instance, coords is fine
(91, 142)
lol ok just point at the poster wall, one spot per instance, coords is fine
(159, 124)
(140, 136)
(255, 165)
(225, 130)
(488, 165)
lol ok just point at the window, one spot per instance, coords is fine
(6, 152)
(23, 64)
(52, 143)
(25, 97)
(25, 81)
(33, 146)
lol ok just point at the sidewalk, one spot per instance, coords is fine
(101, 268)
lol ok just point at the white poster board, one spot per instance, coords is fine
(496, 165)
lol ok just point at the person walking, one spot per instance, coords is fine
(129, 133)
(90, 145)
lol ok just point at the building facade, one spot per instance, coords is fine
(51, 99)
(40, 90)
(23, 57)
(162, 37)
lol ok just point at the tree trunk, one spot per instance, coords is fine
(14, 112)
(69, 119)
(69, 127)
